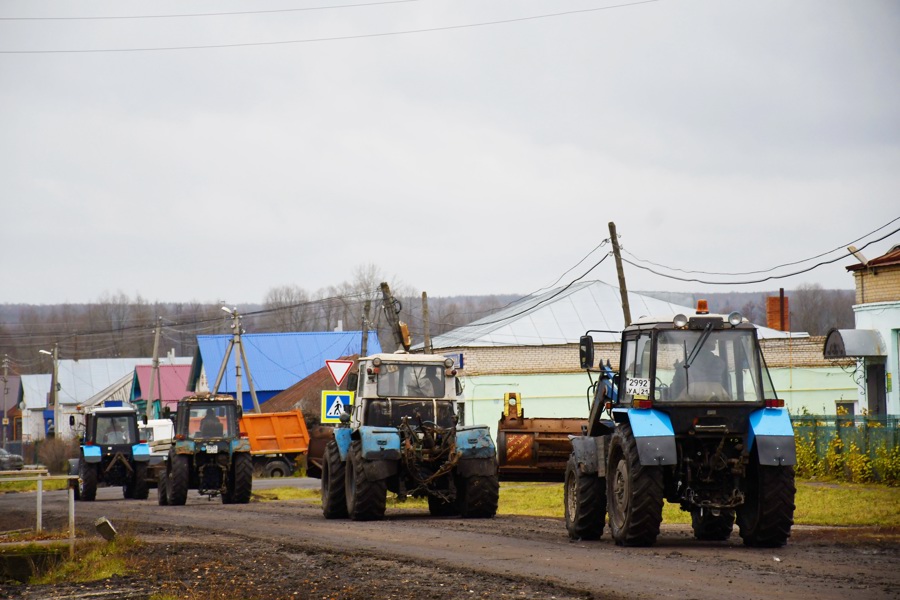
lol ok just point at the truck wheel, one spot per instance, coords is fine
(634, 492)
(585, 503)
(478, 496)
(240, 480)
(87, 484)
(334, 500)
(140, 487)
(365, 499)
(179, 479)
(713, 528)
(438, 507)
(766, 517)
(278, 468)
(162, 493)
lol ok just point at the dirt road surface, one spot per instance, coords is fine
(288, 550)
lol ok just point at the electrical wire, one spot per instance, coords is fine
(764, 279)
(769, 270)
(209, 14)
(333, 38)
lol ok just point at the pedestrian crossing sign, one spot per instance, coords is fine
(335, 402)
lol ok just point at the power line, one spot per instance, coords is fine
(769, 270)
(334, 38)
(209, 14)
(764, 279)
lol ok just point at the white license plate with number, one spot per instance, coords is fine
(212, 449)
(638, 387)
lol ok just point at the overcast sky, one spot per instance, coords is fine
(720, 136)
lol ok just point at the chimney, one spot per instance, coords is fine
(777, 312)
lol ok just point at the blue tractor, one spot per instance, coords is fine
(111, 454)
(404, 436)
(691, 417)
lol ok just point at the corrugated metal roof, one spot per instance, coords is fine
(34, 391)
(277, 360)
(173, 380)
(561, 316)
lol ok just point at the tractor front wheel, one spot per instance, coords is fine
(334, 500)
(162, 493)
(585, 503)
(366, 499)
(87, 482)
(766, 517)
(635, 492)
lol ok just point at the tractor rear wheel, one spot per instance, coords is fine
(713, 528)
(585, 503)
(635, 492)
(366, 499)
(477, 496)
(334, 500)
(766, 517)
(162, 493)
(87, 482)
(179, 479)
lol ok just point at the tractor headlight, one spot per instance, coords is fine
(735, 318)
(680, 321)
(376, 362)
(448, 362)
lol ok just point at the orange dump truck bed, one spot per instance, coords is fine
(280, 432)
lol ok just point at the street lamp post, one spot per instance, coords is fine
(54, 388)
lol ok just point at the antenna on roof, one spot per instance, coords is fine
(859, 255)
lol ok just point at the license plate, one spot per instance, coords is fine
(212, 449)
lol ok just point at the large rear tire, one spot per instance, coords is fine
(366, 499)
(162, 492)
(87, 482)
(477, 496)
(334, 500)
(179, 479)
(767, 515)
(635, 492)
(712, 528)
(240, 480)
(585, 503)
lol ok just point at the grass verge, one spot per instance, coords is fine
(31, 486)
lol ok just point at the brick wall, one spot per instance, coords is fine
(880, 284)
(779, 353)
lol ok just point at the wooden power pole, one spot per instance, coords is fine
(622, 289)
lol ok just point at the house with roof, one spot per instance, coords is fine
(86, 382)
(276, 361)
(874, 345)
(531, 347)
(169, 385)
(9, 408)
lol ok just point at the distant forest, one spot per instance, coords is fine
(121, 326)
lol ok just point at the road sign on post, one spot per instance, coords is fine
(334, 403)
(339, 370)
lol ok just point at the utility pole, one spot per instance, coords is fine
(364, 345)
(427, 334)
(5, 394)
(54, 388)
(622, 289)
(234, 344)
(154, 372)
(392, 309)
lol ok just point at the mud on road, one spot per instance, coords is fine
(206, 550)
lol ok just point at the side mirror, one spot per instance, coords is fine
(459, 387)
(167, 413)
(240, 411)
(71, 420)
(144, 419)
(345, 417)
(352, 381)
(586, 351)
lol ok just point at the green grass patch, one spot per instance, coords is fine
(94, 560)
(286, 493)
(31, 486)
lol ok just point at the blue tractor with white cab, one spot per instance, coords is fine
(691, 417)
(404, 436)
(111, 454)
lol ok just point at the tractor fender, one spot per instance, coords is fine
(342, 437)
(773, 434)
(141, 452)
(376, 470)
(590, 454)
(240, 445)
(474, 441)
(379, 443)
(653, 434)
(91, 454)
(184, 447)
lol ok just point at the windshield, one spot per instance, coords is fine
(390, 413)
(707, 366)
(115, 429)
(411, 381)
(216, 421)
